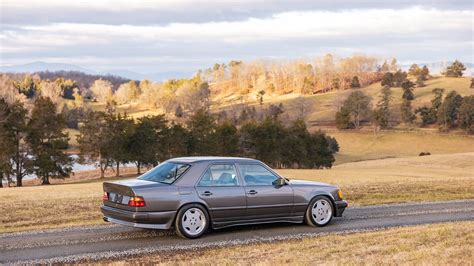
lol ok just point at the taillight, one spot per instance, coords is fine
(105, 196)
(136, 201)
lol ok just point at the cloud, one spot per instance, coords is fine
(142, 12)
(411, 33)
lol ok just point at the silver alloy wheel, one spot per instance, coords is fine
(321, 211)
(193, 221)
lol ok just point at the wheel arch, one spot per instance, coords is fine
(202, 204)
(317, 193)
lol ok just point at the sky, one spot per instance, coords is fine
(183, 35)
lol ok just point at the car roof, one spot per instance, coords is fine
(195, 159)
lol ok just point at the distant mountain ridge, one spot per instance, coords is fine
(124, 73)
(39, 66)
(44, 66)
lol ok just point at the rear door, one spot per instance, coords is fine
(265, 200)
(223, 192)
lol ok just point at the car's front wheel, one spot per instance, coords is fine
(320, 211)
(192, 221)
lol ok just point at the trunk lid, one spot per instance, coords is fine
(119, 192)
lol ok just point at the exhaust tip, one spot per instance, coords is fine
(105, 219)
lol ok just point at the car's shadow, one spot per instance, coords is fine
(248, 229)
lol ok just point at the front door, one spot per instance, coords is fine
(223, 192)
(264, 199)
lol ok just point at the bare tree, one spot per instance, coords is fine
(102, 90)
(51, 90)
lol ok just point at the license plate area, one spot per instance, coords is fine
(118, 198)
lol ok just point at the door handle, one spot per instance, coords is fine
(252, 192)
(206, 193)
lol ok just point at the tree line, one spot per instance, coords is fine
(448, 113)
(35, 143)
(111, 139)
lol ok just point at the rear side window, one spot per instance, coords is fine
(257, 175)
(165, 172)
(219, 175)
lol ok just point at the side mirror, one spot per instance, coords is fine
(279, 182)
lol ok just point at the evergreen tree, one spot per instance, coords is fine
(425, 72)
(260, 96)
(179, 111)
(343, 119)
(319, 154)
(268, 147)
(7, 147)
(407, 87)
(48, 142)
(406, 112)
(455, 69)
(147, 144)
(429, 115)
(420, 81)
(466, 114)
(227, 139)
(336, 84)
(355, 84)
(120, 128)
(248, 137)
(387, 79)
(15, 125)
(399, 78)
(381, 113)
(332, 144)
(176, 141)
(202, 134)
(448, 111)
(94, 140)
(296, 142)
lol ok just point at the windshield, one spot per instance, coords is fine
(165, 172)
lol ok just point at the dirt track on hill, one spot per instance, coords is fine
(92, 243)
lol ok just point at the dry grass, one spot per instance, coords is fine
(394, 180)
(429, 178)
(440, 244)
(360, 146)
(53, 206)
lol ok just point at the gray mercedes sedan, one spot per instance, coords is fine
(193, 194)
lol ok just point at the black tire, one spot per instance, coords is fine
(181, 231)
(309, 219)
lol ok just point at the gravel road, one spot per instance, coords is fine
(91, 243)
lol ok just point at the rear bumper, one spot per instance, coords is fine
(149, 220)
(341, 205)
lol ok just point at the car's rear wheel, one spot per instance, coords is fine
(192, 221)
(320, 211)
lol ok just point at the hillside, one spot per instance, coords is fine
(354, 145)
(320, 109)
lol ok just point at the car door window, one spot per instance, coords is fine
(257, 175)
(219, 175)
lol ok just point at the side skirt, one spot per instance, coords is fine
(292, 219)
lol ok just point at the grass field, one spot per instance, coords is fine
(359, 146)
(440, 244)
(427, 178)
